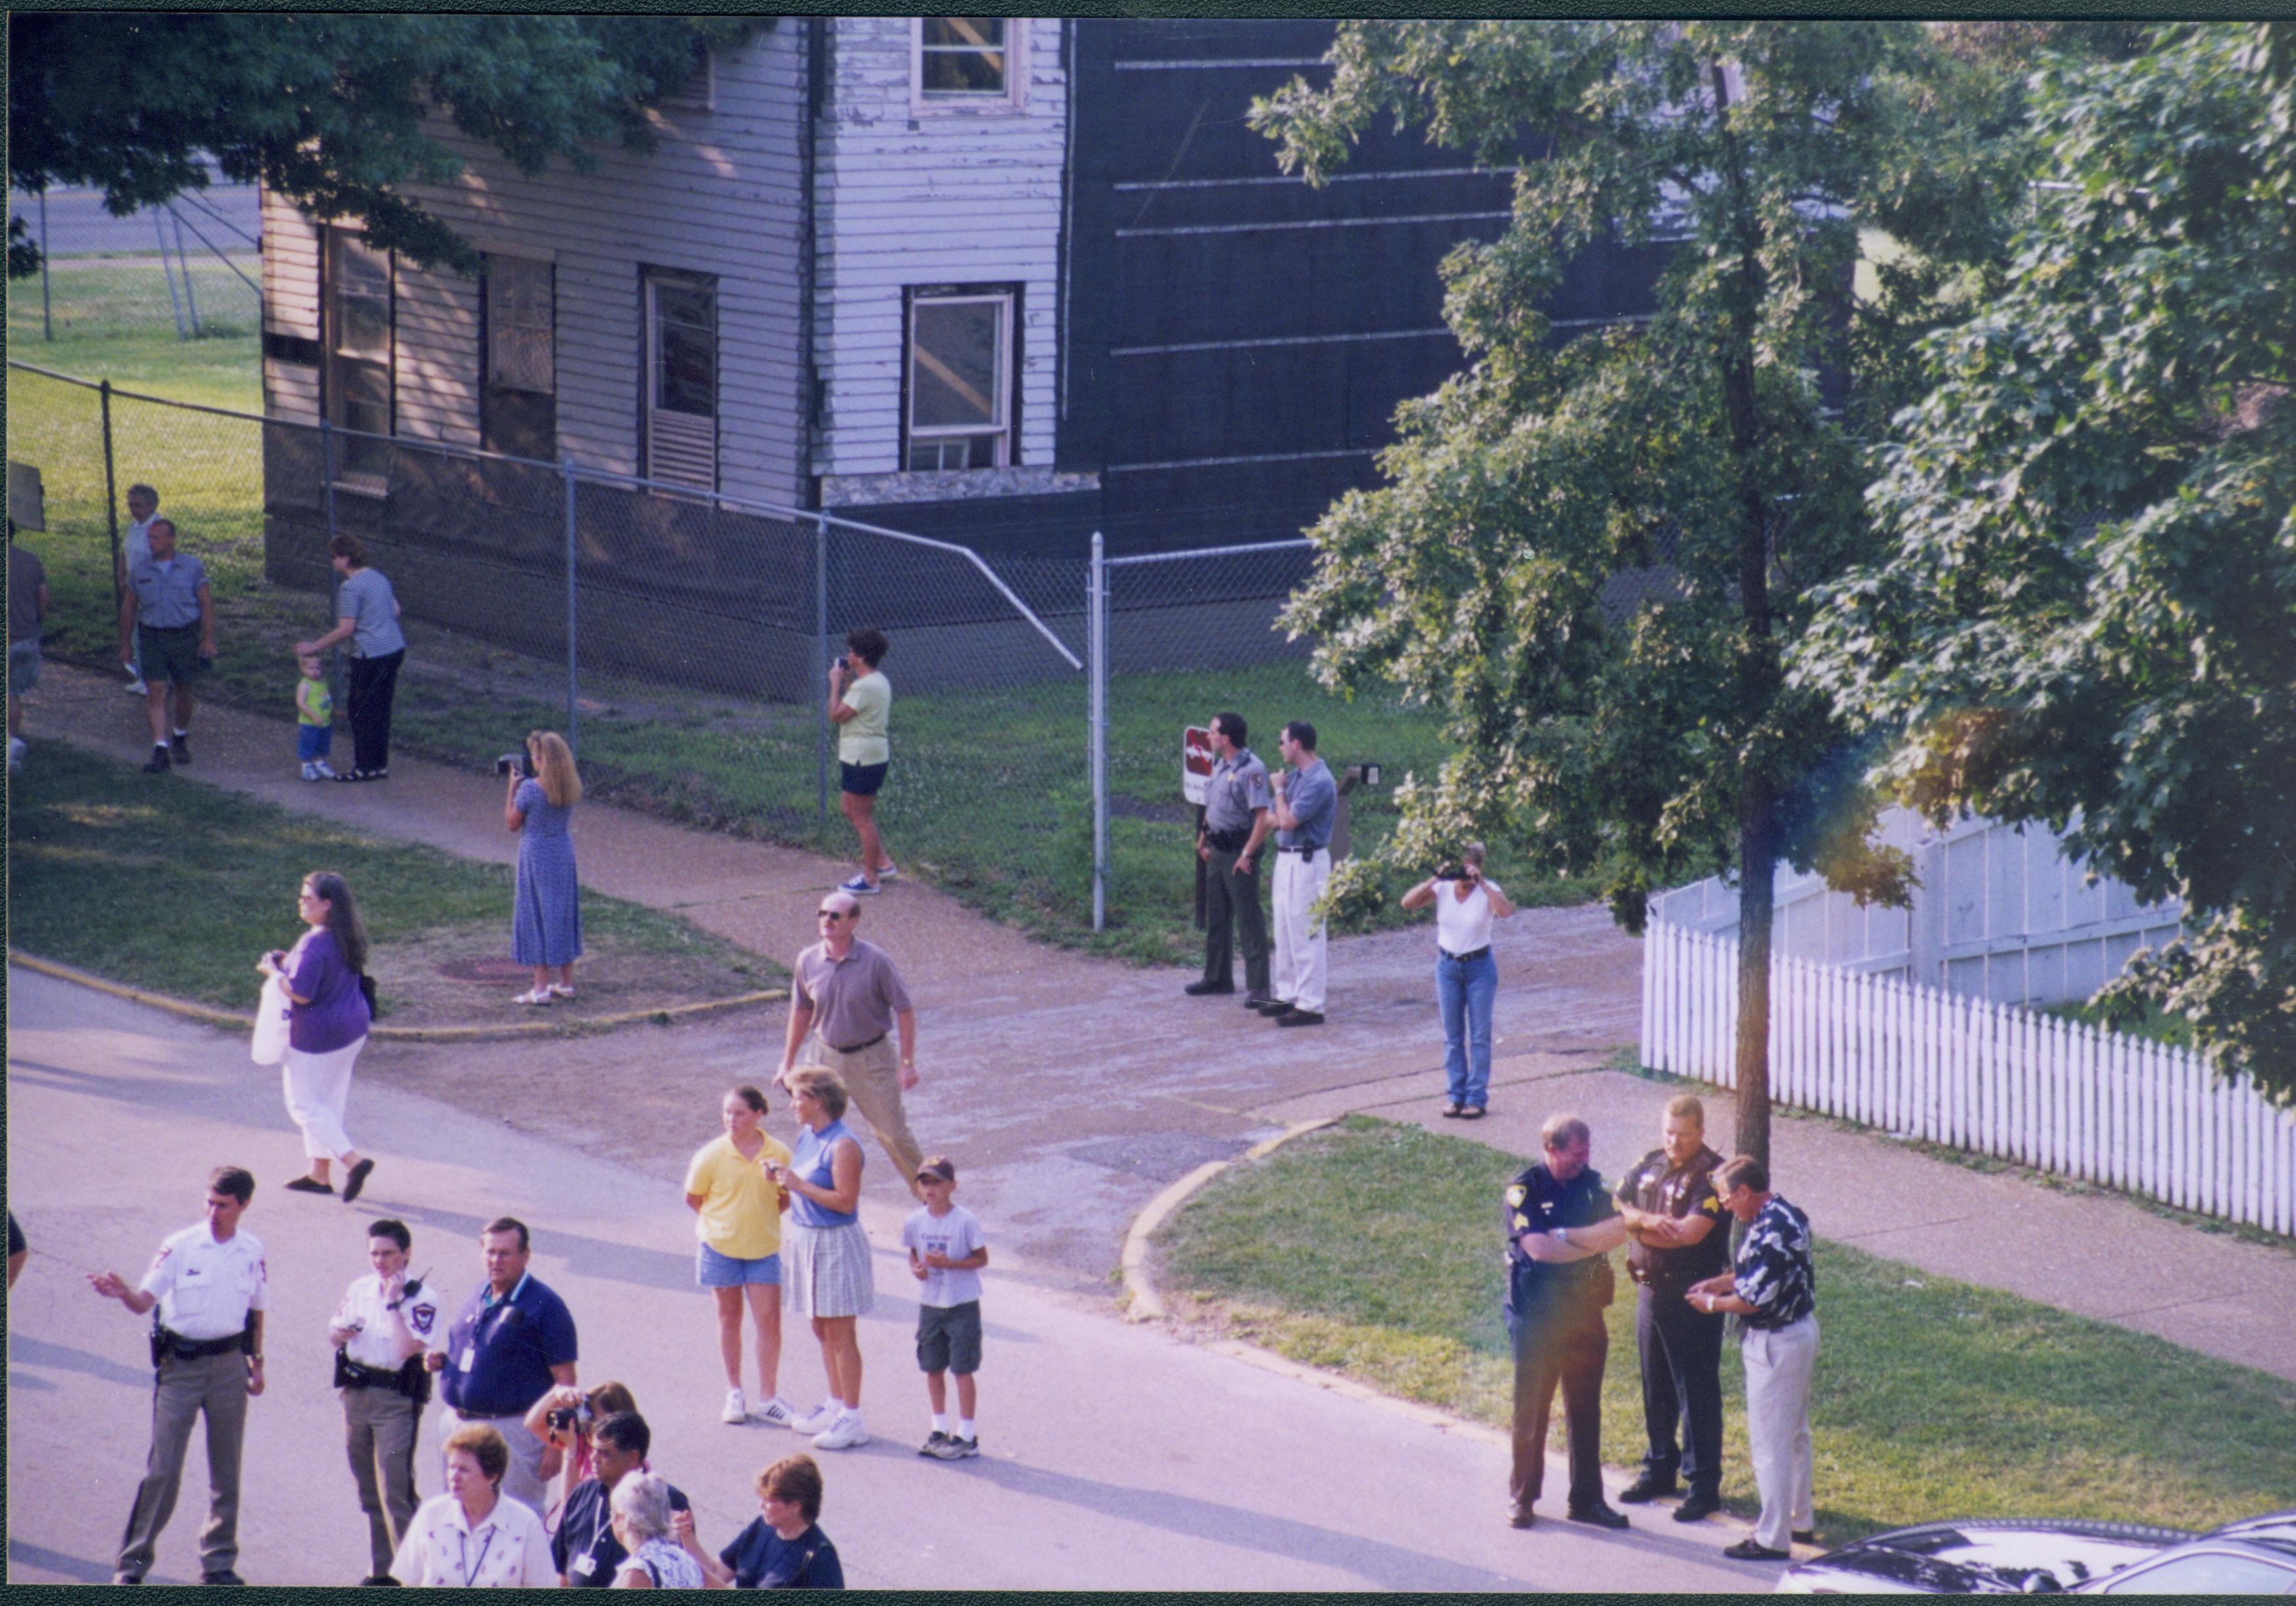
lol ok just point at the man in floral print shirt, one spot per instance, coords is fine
(1774, 1288)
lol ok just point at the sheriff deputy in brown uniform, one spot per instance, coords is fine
(206, 1345)
(1675, 1216)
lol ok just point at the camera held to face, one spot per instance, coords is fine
(564, 1418)
(515, 763)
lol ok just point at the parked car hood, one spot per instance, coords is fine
(1984, 1557)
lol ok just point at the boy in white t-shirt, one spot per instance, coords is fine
(946, 1251)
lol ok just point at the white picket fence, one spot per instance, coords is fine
(1987, 1077)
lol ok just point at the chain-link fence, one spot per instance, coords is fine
(681, 640)
(189, 269)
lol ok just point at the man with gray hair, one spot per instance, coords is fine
(1560, 1223)
(846, 1004)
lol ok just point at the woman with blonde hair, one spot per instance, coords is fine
(826, 1274)
(546, 921)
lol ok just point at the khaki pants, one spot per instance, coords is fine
(378, 1432)
(1779, 1366)
(872, 1079)
(215, 1385)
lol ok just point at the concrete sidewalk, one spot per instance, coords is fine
(1073, 1089)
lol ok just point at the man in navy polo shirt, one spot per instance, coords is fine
(513, 1340)
(585, 1547)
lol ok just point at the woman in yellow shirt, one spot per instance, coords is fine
(738, 1210)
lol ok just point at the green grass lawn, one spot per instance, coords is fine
(1934, 1399)
(167, 883)
(989, 797)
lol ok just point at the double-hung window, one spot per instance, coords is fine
(358, 335)
(681, 377)
(958, 389)
(519, 408)
(961, 63)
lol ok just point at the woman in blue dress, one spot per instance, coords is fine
(547, 924)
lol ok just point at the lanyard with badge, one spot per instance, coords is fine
(479, 1322)
(462, 1547)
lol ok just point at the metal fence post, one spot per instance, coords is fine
(821, 646)
(47, 328)
(1095, 603)
(110, 492)
(334, 580)
(573, 660)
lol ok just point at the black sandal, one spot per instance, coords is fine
(1472, 1112)
(1451, 1113)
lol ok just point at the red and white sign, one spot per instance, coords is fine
(1195, 763)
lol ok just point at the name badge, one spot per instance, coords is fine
(470, 1355)
(583, 1565)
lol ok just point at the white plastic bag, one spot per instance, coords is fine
(271, 1018)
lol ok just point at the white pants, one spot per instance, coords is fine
(1300, 947)
(319, 1088)
(1778, 1369)
(523, 1477)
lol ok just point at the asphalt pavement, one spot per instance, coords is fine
(1114, 1455)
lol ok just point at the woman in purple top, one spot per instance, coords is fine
(326, 1028)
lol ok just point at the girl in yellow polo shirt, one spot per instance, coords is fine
(738, 1218)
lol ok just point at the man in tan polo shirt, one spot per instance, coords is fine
(846, 1005)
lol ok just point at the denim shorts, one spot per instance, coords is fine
(713, 1270)
(313, 741)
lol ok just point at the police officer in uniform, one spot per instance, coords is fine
(1675, 1216)
(208, 1285)
(1560, 1223)
(386, 1324)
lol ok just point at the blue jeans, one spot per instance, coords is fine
(1464, 991)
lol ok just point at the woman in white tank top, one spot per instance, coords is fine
(1466, 975)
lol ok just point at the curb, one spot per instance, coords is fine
(230, 1022)
(1143, 1302)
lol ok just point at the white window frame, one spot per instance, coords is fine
(1008, 446)
(1015, 96)
(684, 435)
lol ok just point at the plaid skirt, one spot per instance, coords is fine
(827, 1270)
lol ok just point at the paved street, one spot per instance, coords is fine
(1116, 1456)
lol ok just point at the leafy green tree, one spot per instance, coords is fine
(1592, 555)
(326, 107)
(2088, 617)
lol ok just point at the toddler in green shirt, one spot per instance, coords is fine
(315, 719)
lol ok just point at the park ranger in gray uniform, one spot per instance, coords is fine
(207, 1345)
(1237, 818)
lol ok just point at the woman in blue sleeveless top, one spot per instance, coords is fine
(826, 1267)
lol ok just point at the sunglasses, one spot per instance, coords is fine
(831, 914)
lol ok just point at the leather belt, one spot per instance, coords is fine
(857, 1047)
(1305, 853)
(1462, 958)
(195, 1349)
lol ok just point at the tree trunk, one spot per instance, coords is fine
(1756, 904)
(1758, 665)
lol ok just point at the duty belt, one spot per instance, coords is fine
(1305, 853)
(410, 1378)
(166, 1342)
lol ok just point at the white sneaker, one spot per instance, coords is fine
(818, 1419)
(737, 1409)
(310, 771)
(323, 772)
(843, 1434)
(777, 1413)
